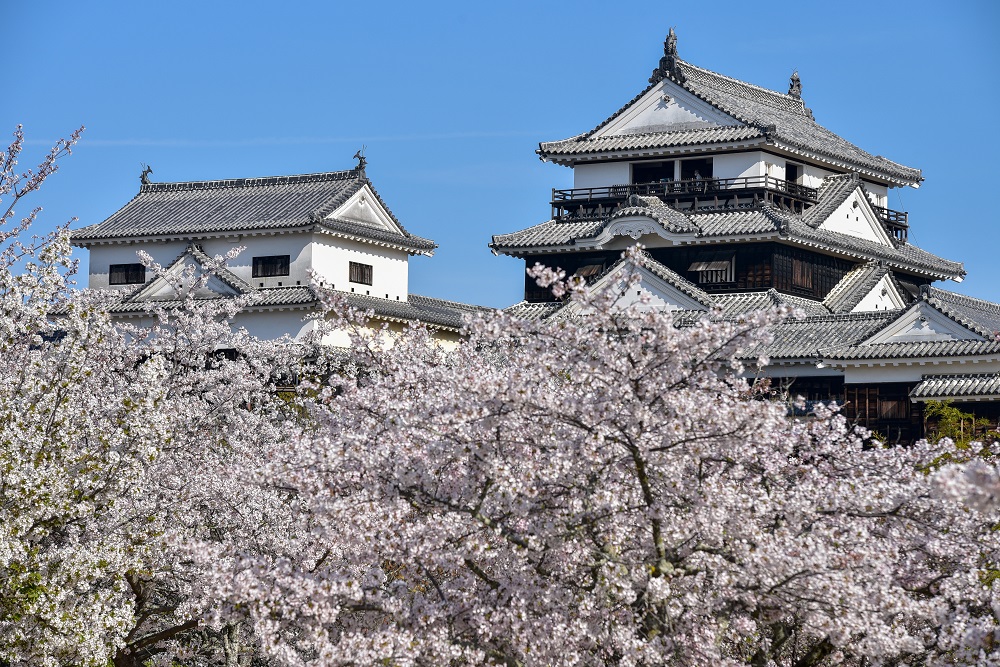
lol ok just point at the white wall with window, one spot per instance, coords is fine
(294, 246)
(386, 273)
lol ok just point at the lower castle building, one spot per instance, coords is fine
(330, 227)
(743, 201)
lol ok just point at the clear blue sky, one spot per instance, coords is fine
(452, 98)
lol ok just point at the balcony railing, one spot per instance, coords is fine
(896, 222)
(705, 194)
(695, 193)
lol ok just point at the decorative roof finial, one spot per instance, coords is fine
(669, 61)
(795, 85)
(144, 176)
(362, 160)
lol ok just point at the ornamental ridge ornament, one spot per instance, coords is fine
(795, 85)
(669, 63)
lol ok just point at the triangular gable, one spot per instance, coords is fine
(665, 107)
(222, 282)
(922, 323)
(364, 208)
(660, 288)
(884, 296)
(856, 217)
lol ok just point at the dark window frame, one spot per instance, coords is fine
(270, 266)
(360, 273)
(127, 274)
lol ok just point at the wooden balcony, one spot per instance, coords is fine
(691, 194)
(896, 222)
(705, 194)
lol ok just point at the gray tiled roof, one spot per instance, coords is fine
(533, 311)
(979, 315)
(436, 312)
(745, 302)
(855, 286)
(805, 338)
(765, 113)
(905, 350)
(969, 386)
(832, 193)
(764, 220)
(197, 208)
(689, 137)
(425, 309)
(267, 297)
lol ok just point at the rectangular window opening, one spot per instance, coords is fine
(126, 274)
(714, 268)
(696, 168)
(360, 273)
(653, 172)
(270, 266)
(802, 274)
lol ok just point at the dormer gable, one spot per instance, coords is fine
(853, 216)
(658, 286)
(365, 208)
(923, 323)
(173, 282)
(665, 107)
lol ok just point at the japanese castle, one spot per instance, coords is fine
(333, 226)
(740, 198)
(742, 202)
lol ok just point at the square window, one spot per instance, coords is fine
(360, 273)
(127, 274)
(273, 265)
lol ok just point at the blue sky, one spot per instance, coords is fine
(452, 98)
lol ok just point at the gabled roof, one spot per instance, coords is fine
(855, 286)
(434, 312)
(979, 315)
(765, 116)
(804, 338)
(746, 302)
(706, 226)
(941, 325)
(959, 387)
(196, 209)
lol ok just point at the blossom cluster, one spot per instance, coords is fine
(601, 487)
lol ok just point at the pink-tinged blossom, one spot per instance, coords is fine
(599, 489)
(596, 488)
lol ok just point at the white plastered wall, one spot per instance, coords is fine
(888, 371)
(273, 324)
(296, 246)
(878, 194)
(601, 174)
(738, 165)
(884, 296)
(390, 275)
(854, 218)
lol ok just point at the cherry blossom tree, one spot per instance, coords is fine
(603, 488)
(118, 444)
(597, 488)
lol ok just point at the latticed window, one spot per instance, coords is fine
(127, 274)
(273, 265)
(361, 273)
(714, 268)
(802, 274)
